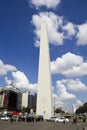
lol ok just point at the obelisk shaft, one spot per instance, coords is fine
(44, 90)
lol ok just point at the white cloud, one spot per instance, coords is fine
(76, 85)
(33, 88)
(21, 81)
(54, 23)
(57, 102)
(64, 96)
(62, 92)
(47, 3)
(70, 29)
(4, 68)
(59, 29)
(76, 105)
(69, 65)
(8, 82)
(82, 34)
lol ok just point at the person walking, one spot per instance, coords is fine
(75, 120)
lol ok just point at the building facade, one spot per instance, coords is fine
(10, 99)
(29, 100)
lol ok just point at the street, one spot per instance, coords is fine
(6, 125)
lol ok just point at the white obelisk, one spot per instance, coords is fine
(44, 90)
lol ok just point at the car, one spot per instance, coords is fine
(61, 119)
(51, 119)
(15, 118)
(5, 118)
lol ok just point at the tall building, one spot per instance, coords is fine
(25, 96)
(28, 100)
(32, 100)
(44, 90)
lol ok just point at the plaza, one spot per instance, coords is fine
(6, 125)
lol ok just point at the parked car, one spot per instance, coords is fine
(15, 118)
(5, 118)
(61, 119)
(51, 119)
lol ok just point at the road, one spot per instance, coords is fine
(6, 125)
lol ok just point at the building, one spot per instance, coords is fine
(32, 100)
(44, 90)
(29, 100)
(25, 98)
(10, 98)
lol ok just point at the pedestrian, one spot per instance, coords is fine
(32, 119)
(75, 120)
(11, 119)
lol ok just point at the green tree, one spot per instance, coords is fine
(58, 110)
(26, 109)
(82, 109)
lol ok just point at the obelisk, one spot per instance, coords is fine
(44, 90)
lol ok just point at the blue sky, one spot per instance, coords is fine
(20, 23)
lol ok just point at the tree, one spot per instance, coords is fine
(58, 110)
(82, 109)
(26, 109)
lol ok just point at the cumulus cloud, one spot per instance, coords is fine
(21, 82)
(69, 65)
(69, 28)
(47, 3)
(33, 88)
(58, 29)
(4, 68)
(82, 34)
(77, 105)
(62, 92)
(56, 101)
(74, 84)
(62, 97)
(20, 79)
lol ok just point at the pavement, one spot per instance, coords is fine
(6, 125)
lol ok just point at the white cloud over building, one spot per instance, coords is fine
(65, 88)
(21, 81)
(4, 68)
